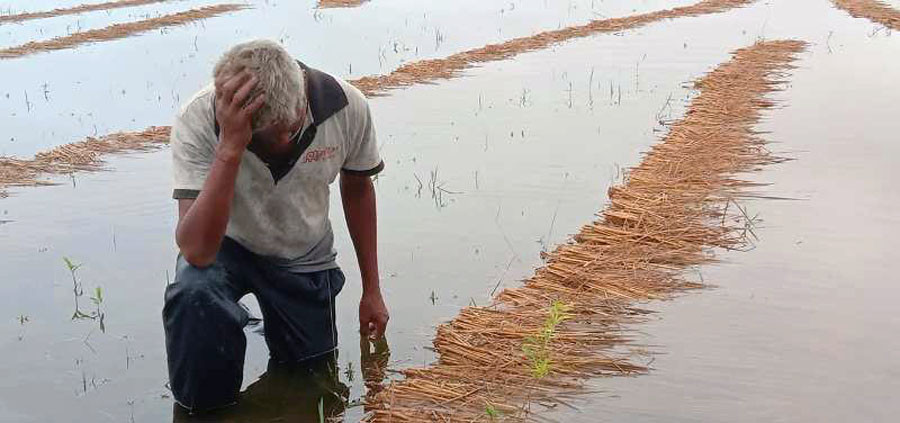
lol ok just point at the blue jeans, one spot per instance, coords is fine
(204, 323)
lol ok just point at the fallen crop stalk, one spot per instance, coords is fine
(873, 10)
(492, 366)
(117, 31)
(74, 10)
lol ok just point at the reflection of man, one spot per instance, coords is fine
(292, 393)
(253, 158)
(287, 393)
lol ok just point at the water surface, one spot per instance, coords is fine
(797, 329)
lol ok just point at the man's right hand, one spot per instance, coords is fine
(202, 222)
(234, 112)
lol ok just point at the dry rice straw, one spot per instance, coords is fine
(83, 8)
(117, 31)
(26, 172)
(873, 10)
(333, 4)
(668, 214)
(425, 71)
(80, 156)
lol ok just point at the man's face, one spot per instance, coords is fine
(277, 135)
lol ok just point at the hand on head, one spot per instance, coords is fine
(235, 107)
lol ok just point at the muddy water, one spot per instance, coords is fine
(527, 148)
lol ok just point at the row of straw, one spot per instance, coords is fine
(334, 4)
(82, 8)
(29, 172)
(118, 31)
(873, 10)
(425, 71)
(80, 156)
(670, 212)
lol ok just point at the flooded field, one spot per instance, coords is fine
(523, 150)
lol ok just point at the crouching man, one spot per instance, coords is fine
(254, 155)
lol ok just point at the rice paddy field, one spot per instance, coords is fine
(642, 211)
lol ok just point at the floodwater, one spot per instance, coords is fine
(798, 329)
(141, 81)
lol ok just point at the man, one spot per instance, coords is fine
(253, 158)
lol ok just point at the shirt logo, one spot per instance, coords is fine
(319, 154)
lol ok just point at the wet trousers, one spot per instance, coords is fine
(204, 323)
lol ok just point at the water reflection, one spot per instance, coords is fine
(374, 357)
(307, 392)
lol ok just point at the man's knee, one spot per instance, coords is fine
(204, 336)
(194, 284)
(199, 292)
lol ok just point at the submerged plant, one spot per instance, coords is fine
(97, 299)
(78, 291)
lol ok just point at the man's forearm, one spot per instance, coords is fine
(358, 198)
(202, 227)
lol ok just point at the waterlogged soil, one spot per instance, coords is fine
(140, 81)
(794, 329)
(524, 150)
(14, 34)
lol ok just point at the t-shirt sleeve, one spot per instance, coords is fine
(192, 153)
(363, 157)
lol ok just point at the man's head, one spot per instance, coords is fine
(280, 79)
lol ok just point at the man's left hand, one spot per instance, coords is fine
(373, 315)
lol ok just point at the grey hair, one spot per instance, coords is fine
(280, 78)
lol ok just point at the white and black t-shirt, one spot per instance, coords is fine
(282, 213)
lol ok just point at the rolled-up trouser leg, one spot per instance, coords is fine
(205, 341)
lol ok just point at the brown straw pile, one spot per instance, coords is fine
(83, 8)
(424, 71)
(79, 156)
(333, 4)
(117, 31)
(872, 10)
(536, 343)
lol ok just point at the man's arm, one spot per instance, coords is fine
(358, 198)
(202, 221)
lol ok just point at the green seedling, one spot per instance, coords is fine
(98, 296)
(540, 367)
(78, 292)
(492, 412)
(98, 314)
(536, 347)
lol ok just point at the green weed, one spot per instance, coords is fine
(78, 291)
(536, 347)
(492, 412)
